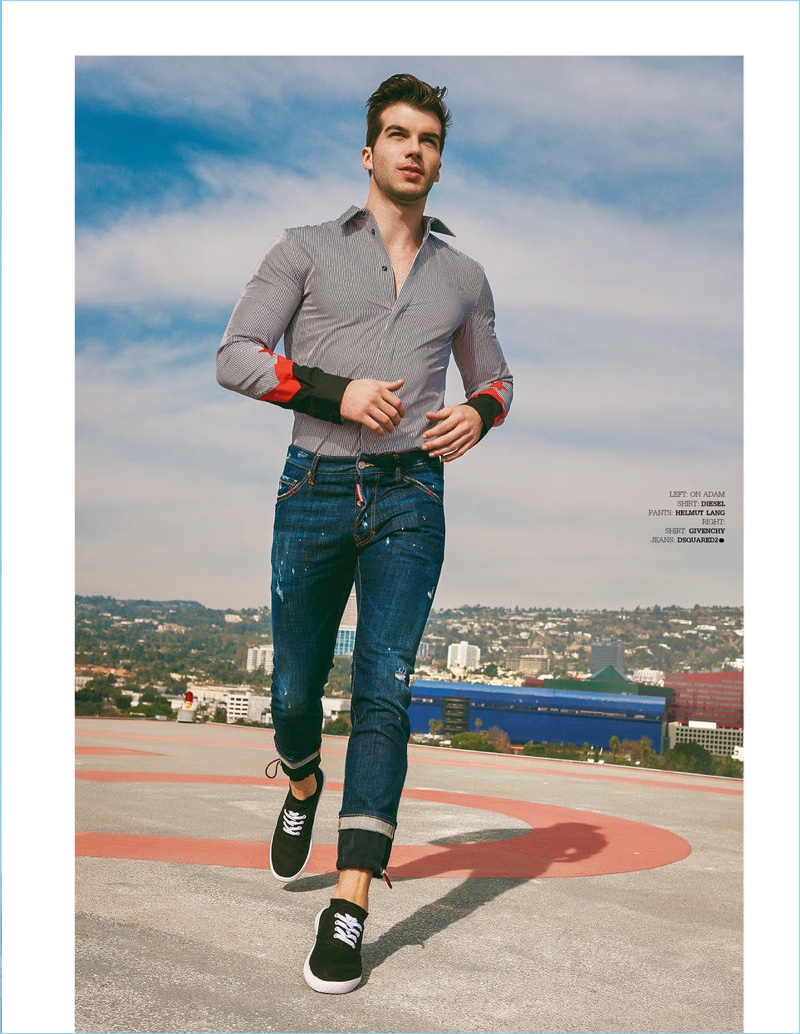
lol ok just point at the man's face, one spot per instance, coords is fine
(406, 158)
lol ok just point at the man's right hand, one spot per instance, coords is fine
(373, 404)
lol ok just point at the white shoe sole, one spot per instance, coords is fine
(329, 987)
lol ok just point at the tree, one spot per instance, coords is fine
(341, 725)
(435, 725)
(499, 740)
(613, 743)
(689, 757)
(731, 767)
(471, 741)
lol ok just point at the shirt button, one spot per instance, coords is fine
(384, 268)
(372, 232)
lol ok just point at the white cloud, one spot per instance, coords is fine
(645, 112)
(199, 256)
(538, 252)
(176, 481)
(623, 336)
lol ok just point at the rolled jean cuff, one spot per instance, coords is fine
(299, 770)
(364, 848)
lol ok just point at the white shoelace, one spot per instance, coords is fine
(346, 928)
(293, 822)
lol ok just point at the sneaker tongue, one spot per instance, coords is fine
(342, 905)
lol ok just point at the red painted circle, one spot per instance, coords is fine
(562, 841)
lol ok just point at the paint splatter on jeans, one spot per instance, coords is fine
(378, 521)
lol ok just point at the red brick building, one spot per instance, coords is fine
(706, 696)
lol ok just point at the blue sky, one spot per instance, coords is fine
(604, 198)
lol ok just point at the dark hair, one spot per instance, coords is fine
(406, 89)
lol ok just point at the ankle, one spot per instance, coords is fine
(353, 886)
(305, 788)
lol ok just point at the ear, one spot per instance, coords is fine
(366, 158)
(438, 173)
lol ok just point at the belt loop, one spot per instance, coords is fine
(314, 464)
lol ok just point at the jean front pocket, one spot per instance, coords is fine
(291, 480)
(429, 479)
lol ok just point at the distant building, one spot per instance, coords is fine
(607, 653)
(527, 660)
(259, 709)
(248, 705)
(237, 706)
(215, 695)
(346, 636)
(233, 619)
(463, 655)
(716, 739)
(608, 680)
(707, 696)
(261, 657)
(537, 713)
(649, 676)
(332, 707)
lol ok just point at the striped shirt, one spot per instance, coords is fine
(329, 291)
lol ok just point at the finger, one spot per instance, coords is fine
(461, 439)
(383, 421)
(386, 414)
(372, 424)
(447, 444)
(395, 403)
(455, 455)
(440, 429)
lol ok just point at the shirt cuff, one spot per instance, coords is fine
(320, 393)
(487, 408)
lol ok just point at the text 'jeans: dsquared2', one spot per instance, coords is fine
(378, 520)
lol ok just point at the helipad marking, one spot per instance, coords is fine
(117, 750)
(562, 842)
(656, 779)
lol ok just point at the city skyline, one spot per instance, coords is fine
(603, 196)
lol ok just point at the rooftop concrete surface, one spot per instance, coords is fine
(528, 894)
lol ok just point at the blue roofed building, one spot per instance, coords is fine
(537, 713)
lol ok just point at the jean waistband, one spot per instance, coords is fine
(382, 460)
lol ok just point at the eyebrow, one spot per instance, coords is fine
(403, 129)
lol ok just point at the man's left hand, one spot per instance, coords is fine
(456, 429)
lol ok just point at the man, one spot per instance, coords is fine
(371, 305)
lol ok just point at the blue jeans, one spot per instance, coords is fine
(377, 520)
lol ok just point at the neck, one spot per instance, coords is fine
(397, 222)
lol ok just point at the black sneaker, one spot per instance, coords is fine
(334, 963)
(290, 847)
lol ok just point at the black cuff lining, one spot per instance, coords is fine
(363, 849)
(320, 393)
(487, 408)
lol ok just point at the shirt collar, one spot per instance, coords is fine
(430, 222)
